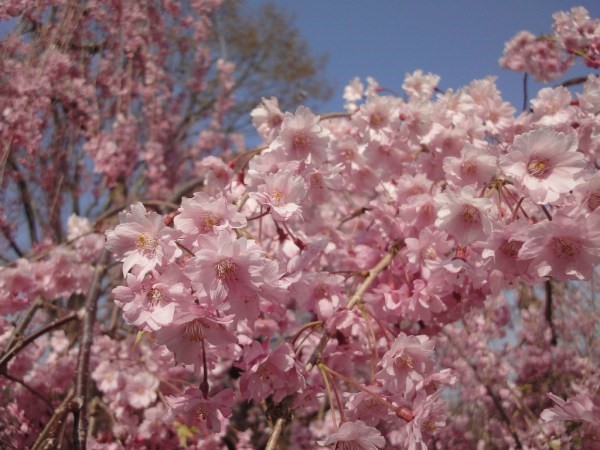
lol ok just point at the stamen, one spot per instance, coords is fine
(155, 296)
(565, 248)
(538, 167)
(146, 244)
(226, 270)
(511, 248)
(278, 197)
(470, 214)
(193, 331)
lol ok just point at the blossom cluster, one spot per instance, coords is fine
(334, 286)
(439, 204)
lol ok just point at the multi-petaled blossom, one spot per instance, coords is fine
(580, 408)
(201, 411)
(464, 216)
(552, 107)
(227, 269)
(420, 86)
(302, 138)
(378, 117)
(355, 435)
(353, 92)
(474, 166)
(432, 244)
(203, 215)
(406, 363)
(282, 193)
(268, 372)
(151, 301)
(191, 329)
(502, 249)
(424, 301)
(544, 163)
(267, 118)
(428, 415)
(564, 248)
(142, 240)
(140, 389)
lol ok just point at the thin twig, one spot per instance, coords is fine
(277, 429)
(548, 312)
(21, 344)
(80, 413)
(48, 434)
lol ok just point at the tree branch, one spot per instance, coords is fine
(80, 422)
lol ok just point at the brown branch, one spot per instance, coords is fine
(26, 199)
(272, 442)
(30, 389)
(80, 413)
(21, 344)
(548, 312)
(47, 437)
(24, 322)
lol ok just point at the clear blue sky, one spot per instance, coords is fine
(460, 40)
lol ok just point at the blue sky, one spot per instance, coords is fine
(460, 40)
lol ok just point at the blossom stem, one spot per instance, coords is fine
(185, 249)
(314, 324)
(204, 384)
(353, 383)
(325, 376)
(258, 216)
(546, 212)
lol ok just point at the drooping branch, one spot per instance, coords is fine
(548, 312)
(21, 344)
(82, 376)
(373, 273)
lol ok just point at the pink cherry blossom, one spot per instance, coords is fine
(355, 435)
(202, 412)
(405, 363)
(282, 193)
(464, 216)
(141, 240)
(544, 163)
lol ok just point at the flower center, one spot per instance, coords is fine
(146, 244)
(208, 222)
(155, 296)
(193, 331)
(404, 361)
(278, 197)
(299, 141)
(511, 248)
(565, 248)
(226, 270)
(429, 253)
(321, 291)
(470, 214)
(594, 200)
(538, 167)
(376, 120)
(469, 168)
(199, 414)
